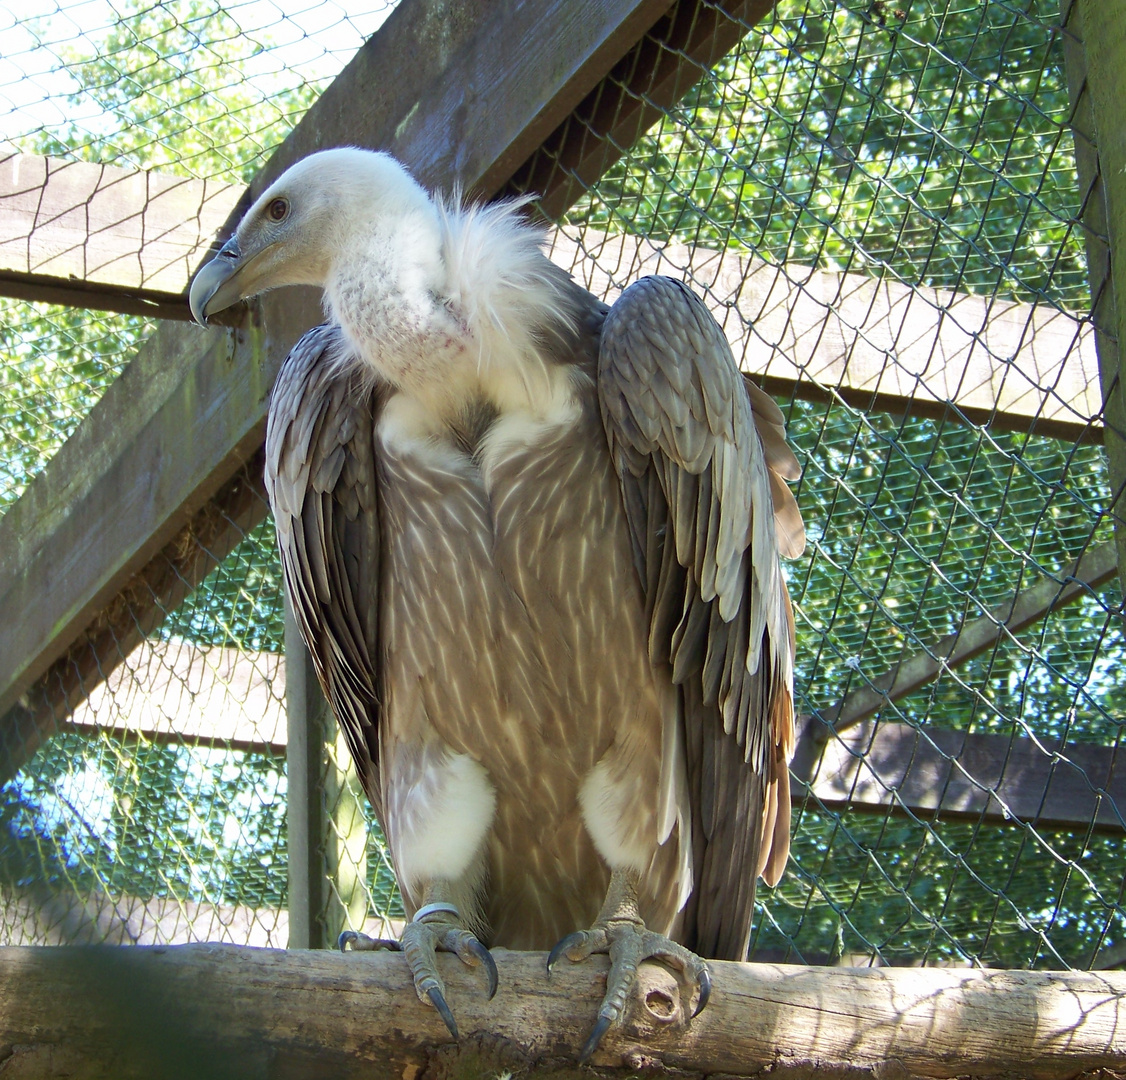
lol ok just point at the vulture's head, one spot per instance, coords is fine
(305, 221)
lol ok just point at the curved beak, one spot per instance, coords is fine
(216, 283)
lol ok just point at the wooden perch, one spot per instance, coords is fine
(219, 1011)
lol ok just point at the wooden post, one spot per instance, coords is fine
(306, 819)
(1095, 52)
(325, 819)
(345, 837)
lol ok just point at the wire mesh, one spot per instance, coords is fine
(881, 205)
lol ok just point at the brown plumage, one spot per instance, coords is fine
(533, 545)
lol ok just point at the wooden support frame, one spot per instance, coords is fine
(1095, 54)
(1026, 607)
(227, 1011)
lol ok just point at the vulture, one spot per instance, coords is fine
(532, 543)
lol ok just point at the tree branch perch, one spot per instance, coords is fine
(220, 1011)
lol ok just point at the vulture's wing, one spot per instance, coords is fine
(702, 457)
(321, 479)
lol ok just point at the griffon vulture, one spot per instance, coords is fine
(532, 543)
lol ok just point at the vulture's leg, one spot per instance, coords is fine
(435, 926)
(620, 931)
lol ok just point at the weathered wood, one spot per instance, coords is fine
(166, 437)
(104, 236)
(876, 343)
(1094, 40)
(174, 692)
(645, 83)
(928, 772)
(222, 1011)
(809, 333)
(463, 91)
(1027, 606)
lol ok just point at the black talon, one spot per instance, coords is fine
(439, 1003)
(561, 947)
(489, 964)
(346, 938)
(705, 992)
(600, 1029)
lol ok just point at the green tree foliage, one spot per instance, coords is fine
(928, 141)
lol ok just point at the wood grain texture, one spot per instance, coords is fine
(879, 344)
(162, 441)
(1094, 42)
(223, 1011)
(880, 765)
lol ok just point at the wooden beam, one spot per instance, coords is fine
(876, 343)
(223, 1011)
(166, 437)
(1094, 39)
(157, 588)
(190, 409)
(645, 83)
(102, 236)
(931, 772)
(1027, 606)
(464, 92)
(177, 693)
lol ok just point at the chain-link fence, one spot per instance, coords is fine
(882, 206)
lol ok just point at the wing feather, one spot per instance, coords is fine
(702, 457)
(322, 483)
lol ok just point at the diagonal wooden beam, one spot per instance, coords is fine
(1028, 606)
(463, 93)
(876, 766)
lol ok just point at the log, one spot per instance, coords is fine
(221, 1011)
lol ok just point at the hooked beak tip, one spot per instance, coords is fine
(210, 278)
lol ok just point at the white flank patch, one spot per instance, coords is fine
(606, 812)
(554, 408)
(445, 817)
(407, 428)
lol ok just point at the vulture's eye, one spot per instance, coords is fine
(277, 210)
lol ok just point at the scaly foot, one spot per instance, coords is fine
(620, 932)
(434, 927)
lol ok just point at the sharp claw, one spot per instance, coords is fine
(591, 1045)
(439, 1003)
(562, 946)
(705, 992)
(346, 938)
(487, 962)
